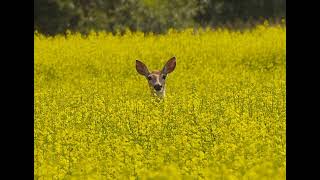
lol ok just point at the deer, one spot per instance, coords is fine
(156, 78)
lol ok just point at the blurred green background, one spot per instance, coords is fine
(56, 16)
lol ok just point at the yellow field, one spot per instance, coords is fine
(224, 115)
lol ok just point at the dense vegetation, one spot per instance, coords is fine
(224, 115)
(56, 16)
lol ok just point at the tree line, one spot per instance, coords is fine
(56, 16)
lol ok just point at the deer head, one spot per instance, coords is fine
(156, 79)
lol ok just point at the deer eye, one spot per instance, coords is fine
(149, 77)
(164, 77)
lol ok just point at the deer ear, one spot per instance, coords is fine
(170, 66)
(141, 68)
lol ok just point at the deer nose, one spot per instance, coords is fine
(157, 87)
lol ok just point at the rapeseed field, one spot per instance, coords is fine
(223, 117)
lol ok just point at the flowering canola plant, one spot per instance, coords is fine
(223, 117)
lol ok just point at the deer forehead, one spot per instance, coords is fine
(156, 72)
